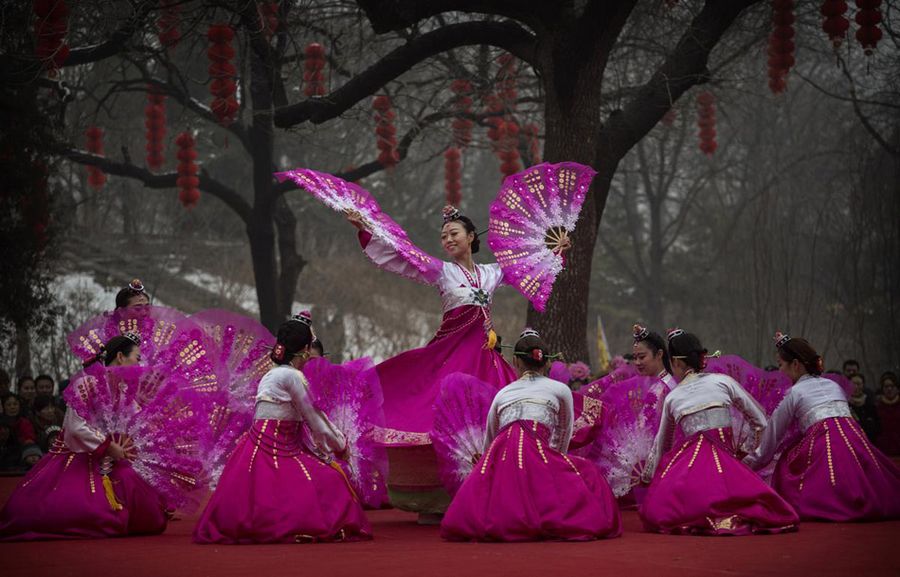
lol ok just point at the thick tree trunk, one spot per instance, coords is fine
(262, 252)
(291, 263)
(23, 351)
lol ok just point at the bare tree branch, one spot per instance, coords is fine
(506, 35)
(394, 15)
(166, 180)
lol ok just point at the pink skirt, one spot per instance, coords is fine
(700, 488)
(411, 380)
(273, 490)
(522, 490)
(835, 474)
(63, 497)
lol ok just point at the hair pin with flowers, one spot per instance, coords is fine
(640, 333)
(450, 213)
(781, 339)
(136, 285)
(672, 333)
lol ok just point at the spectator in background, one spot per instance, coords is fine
(862, 406)
(316, 349)
(26, 391)
(851, 367)
(10, 454)
(31, 454)
(21, 426)
(45, 416)
(5, 383)
(888, 406)
(44, 385)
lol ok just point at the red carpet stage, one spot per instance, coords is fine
(401, 548)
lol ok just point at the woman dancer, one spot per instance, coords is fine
(275, 489)
(650, 356)
(699, 486)
(85, 487)
(526, 487)
(830, 471)
(133, 295)
(463, 343)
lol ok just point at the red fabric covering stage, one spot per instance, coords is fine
(401, 548)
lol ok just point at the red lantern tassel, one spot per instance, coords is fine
(453, 176)
(868, 17)
(188, 182)
(96, 176)
(385, 132)
(314, 70)
(223, 88)
(706, 109)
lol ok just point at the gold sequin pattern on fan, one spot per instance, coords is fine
(566, 179)
(128, 326)
(536, 186)
(91, 342)
(513, 200)
(163, 333)
(191, 353)
(505, 228)
(508, 256)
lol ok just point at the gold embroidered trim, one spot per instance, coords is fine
(521, 442)
(849, 446)
(275, 446)
(302, 466)
(866, 444)
(91, 474)
(828, 452)
(487, 458)
(696, 451)
(385, 436)
(506, 445)
(571, 464)
(716, 458)
(812, 441)
(590, 414)
(256, 445)
(540, 447)
(675, 458)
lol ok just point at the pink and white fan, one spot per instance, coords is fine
(531, 219)
(345, 197)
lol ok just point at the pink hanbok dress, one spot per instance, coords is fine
(828, 469)
(280, 485)
(698, 485)
(64, 496)
(526, 487)
(411, 380)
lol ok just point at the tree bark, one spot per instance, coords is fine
(23, 351)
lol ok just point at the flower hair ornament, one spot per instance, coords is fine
(640, 333)
(781, 339)
(450, 213)
(136, 286)
(536, 353)
(278, 352)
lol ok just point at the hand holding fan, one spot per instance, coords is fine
(530, 222)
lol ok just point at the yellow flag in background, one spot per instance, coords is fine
(602, 346)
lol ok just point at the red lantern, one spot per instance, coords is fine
(314, 70)
(781, 44)
(534, 145)
(385, 132)
(706, 120)
(835, 23)
(223, 88)
(669, 117)
(96, 176)
(50, 32)
(453, 176)
(188, 182)
(268, 17)
(462, 127)
(155, 122)
(509, 150)
(506, 81)
(868, 17)
(494, 106)
(167, 25)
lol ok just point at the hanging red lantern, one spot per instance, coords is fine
(96, 176)
(167, 24)
(314, 70)
(385, 132)
(453, 176)
(462, 126)
(494, 109)
(781, 44)
(155, 122)
(868, 17)
(223, 88)
(51, 24)
(669, 117)
(835, 23)
(268, 17)
(534, 144)
(706, 120)
(188, 182)
(506, 81)
(509, 150)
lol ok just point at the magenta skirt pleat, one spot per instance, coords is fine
(62, 497)
(522, 490)
(273, 490)
(411, 380)
(700, 488)
(834, 473)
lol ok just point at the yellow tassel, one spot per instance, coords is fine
(110, 494)
(491, 340)
(337, 467)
